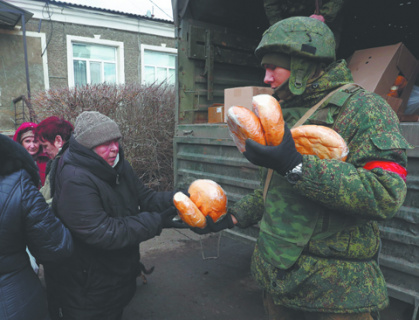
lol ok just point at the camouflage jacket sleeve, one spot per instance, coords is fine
(372, 133)
(249, 209)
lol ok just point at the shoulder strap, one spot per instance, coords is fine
(300, 122)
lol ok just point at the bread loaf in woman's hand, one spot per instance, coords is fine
(206, 198)
(209, 197)
(188, 211)
(322, 141)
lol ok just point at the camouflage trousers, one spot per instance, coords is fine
(278, 312)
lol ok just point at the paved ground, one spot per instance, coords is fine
(185, 286)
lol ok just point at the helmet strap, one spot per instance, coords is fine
(301, 71)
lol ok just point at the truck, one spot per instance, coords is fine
(216, 42)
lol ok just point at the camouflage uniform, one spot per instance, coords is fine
(280, 9)
(331, 10)
(318, 238)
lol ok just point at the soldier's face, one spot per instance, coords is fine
(275, 76)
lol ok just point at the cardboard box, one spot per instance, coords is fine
(242, 96)
(409, 117)
(376, 69)
(216, 113)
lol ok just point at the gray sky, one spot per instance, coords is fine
(161, 9)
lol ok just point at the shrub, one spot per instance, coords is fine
(145, 115)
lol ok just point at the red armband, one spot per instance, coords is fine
(388, 166)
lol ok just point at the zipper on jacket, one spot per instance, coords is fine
(117, 179)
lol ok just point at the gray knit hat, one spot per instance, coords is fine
(93, 128)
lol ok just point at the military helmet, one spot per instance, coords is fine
(299, 36)
(307, 41)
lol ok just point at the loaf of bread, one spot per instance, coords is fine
(244, 124)
(206, 198)
(322, 141)
(188, 211)
(269, 112)
(209, 197)
(266, 126)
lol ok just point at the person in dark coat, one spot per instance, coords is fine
(25, 220)
(109, 211)
(25, 135)
(53, 133)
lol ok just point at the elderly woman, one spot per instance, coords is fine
(25, 135)
(109, 211)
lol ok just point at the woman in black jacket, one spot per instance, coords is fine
(25, 220)
(109, 211)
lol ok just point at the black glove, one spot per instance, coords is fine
(170, 219)
(281, 158)
(224, 223)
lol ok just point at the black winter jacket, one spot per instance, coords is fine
(109, 212)
(25, 220)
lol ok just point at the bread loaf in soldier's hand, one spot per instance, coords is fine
(266, 126)
(269, 112)
(244, 124)
(322, 141)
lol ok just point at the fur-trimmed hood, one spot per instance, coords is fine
(14, 157)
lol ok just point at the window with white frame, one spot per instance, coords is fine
(158, 64)
(92, 61)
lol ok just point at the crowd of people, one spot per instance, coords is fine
(316, 255)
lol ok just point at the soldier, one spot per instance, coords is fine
(316, 254)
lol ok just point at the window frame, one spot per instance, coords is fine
(161, 49)
(119, 46)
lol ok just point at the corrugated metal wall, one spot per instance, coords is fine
(399, 259)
